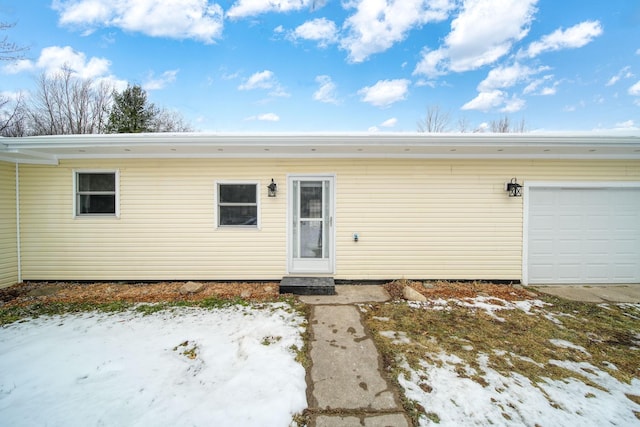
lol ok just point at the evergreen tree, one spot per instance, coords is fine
(130, 112)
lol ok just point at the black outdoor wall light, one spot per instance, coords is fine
(273, 188)
(514, 189)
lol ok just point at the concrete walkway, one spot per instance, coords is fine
(345, 384)
(594, 293)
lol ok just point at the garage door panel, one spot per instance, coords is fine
(543, 222)
(628, 271)
(598, 272)
(595, 248)
(541, 248)
(599, 222)
(626, 223)
(568, 272)
(544, 272)
(570, 222)
(626, 247)
(583, 235)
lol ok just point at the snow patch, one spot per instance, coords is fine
(568, 345)
(396, 337)
(516, 400)
(186, 366)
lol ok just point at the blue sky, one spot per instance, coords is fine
(350, 65)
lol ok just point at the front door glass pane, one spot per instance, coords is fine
(311, 199)
(311, 219)
(311, 239)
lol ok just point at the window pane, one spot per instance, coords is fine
(239, 215)
(96, 182)
(311, 239)
(296, 215)
(237, 193)
(97, 204)
(311, 199)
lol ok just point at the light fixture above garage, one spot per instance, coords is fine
(514, 189)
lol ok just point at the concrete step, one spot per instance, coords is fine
(307, 285)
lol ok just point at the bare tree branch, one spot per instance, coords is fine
(504, 125)
(10, 51)
(435, 120)
(169, 121)
(12, 116)
(66, 104)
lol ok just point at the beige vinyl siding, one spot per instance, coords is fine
(8, 233)
(426, 219)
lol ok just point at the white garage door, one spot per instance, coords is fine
(583, 235)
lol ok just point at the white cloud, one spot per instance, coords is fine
(156, 83)
(320, 30)
(377, 25)
(504, 77)
(629, 124)
(577, 36)
(482, 33)
(424, 82)
(245, 8)
(431, 63)
(385, 92)
(185, 19)
(18, 66)
(269, 117)
(512, 105)
(260, 80)
(635, 89)
(533, 86)
(485, 101)
(624, 73)
(495, 100)
(550, 90)
(54, 59)
(389, 123)
(327, 90)
(12, 96)
(265, 80)
(486, 30)
(266, 117)
(613, 80)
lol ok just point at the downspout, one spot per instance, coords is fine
(18, 246)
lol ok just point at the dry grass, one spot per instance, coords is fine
(609, 334)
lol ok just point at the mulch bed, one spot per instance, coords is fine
(459, 290)
(28, 293)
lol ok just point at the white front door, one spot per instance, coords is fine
(311, 229)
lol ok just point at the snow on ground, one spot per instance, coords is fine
(187, 366)
(452, 400)
(515, 400)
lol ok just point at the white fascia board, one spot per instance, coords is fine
(333, 145)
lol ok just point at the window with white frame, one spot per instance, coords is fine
(96, 193)
(238, 204)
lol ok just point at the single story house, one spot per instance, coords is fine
(377, 206)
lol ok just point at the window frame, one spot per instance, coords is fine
(76, 193)
(255, 226)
